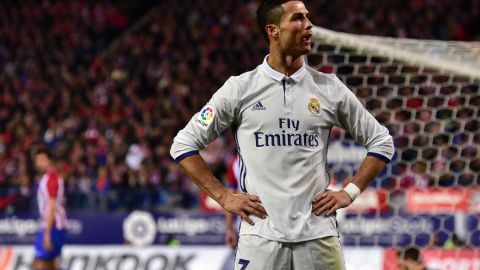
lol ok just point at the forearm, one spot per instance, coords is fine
(369, 169)
(203, 177)
(50, 215)
(229, 216)
(239, 204)
(330, 201)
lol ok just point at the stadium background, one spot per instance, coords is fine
(108, 84)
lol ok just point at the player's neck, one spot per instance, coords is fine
(49, 169)
(285, 64)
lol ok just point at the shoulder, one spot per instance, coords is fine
(327, 84)
(236, 86)
(246, 78)
(52, 178)
(320, 77)
(52, 184)
(336, 87)
(52, 175)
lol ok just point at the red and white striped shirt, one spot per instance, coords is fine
(51, 186)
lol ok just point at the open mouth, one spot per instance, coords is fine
(307, 38)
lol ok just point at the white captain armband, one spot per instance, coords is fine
(352, 190)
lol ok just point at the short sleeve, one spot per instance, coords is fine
(52, 185)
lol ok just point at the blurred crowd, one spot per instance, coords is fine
(108, 101)
(422, 19)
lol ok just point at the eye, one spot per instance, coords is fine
(300, 17)
(297, 17)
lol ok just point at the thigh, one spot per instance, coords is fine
(257, 253)
(58, 239)
(324, 253)
(44, 265)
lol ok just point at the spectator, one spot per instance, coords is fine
(410, 259)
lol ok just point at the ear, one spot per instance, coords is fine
(272, 30)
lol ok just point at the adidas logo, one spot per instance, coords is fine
(258, 107)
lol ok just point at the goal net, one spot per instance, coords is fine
(427, 94)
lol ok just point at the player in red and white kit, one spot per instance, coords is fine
(51, 201)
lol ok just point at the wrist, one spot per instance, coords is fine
(352, 190)
(222, 197)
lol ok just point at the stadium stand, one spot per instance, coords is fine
(107, 85)
(110, 117)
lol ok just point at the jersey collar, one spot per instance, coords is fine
(277, 76)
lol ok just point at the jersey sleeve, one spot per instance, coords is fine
(365, 129)
(52, 185)
(206, 125)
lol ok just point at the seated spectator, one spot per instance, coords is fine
(410, 259)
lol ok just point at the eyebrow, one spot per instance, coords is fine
(306, 14)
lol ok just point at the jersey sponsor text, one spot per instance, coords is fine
(286, 138)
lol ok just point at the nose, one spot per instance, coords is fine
(309, 24)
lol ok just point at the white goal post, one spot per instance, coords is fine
(460, 58)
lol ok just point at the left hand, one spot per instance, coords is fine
(47, 242)
(330, 201)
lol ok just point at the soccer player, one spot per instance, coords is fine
(50, 196)
(281, 114)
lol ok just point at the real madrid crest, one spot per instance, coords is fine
(314, 106)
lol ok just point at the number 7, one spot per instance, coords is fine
(243, 263)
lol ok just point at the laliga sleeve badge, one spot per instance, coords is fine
(139, 228)
(205, 117)
(314, 106)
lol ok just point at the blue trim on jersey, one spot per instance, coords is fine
(243, 175)
(232, 186)
(185, 155)
(326, 159)
(243, 168)
(238, 240)
(244, 178)
(58, 239)
(379, 156)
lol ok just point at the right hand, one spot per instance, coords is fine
(243, 204)
(47, 241)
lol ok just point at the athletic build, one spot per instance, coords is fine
(282, 113)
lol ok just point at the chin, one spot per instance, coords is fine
(306, 51)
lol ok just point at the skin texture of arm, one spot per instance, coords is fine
(330, 201)
(50, 219)
(235, 203)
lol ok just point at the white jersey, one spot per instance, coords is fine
(281, 127)
(51, 185)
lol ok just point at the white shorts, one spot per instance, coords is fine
(257, 253)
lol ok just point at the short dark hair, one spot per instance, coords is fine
(269, 12)
(411, 253)
(43, 149)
